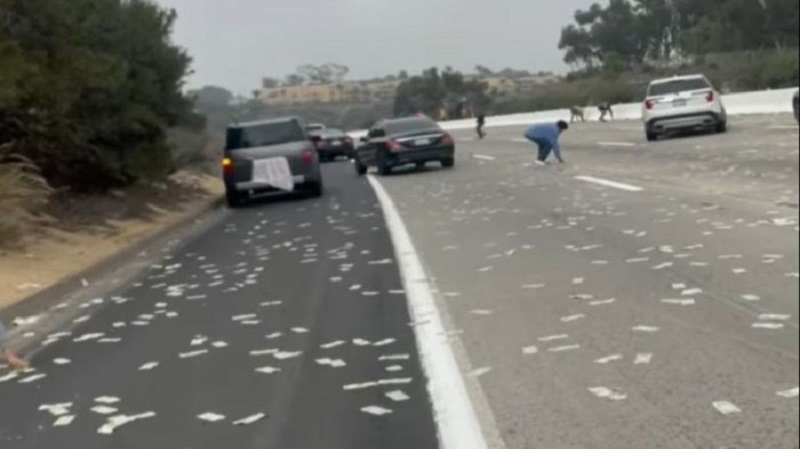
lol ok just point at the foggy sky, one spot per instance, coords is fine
(235, 43)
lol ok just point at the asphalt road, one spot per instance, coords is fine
(643, 296)
(305, 291)
(661, 317)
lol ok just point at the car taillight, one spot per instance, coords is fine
(319, 144)
(308, 157)
(649, 104)
(393, 145)
(348, 140)
(710, 96)
(227, 166)
(447, 139)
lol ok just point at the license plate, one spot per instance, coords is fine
(336, 143)
(679, 103)
(421, 142)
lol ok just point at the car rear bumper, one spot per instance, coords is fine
(426, 155)
(697, 120)
(334, 152)
(262, 187)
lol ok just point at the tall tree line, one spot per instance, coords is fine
(630, 32)
(88, 88)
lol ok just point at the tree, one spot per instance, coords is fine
(270, 83)
(295, 80)
(89, 88)
(631, 32)
(434, 90)
(484, 71)
(212, 96)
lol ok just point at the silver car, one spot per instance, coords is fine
(269, 156)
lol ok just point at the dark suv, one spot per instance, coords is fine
(269, 156)
(392, 143)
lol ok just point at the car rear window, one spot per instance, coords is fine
(410, 126)
(332, 133)
(677, 86)
(264, 135)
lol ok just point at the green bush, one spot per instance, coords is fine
(88, 89)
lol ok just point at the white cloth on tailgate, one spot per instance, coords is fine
(275, 172)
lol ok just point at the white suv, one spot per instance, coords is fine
(683, 103)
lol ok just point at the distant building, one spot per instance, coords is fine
(344, 92)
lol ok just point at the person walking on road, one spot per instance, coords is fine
(481, 124)
(576, 114)
(605, 110)
(547, 136)
(10, 357)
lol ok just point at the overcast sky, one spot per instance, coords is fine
(237, 42)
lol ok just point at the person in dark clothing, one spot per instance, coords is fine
(546, 136)
(481, 124)
(605, 110)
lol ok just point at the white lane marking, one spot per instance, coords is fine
(643, 359)
(484, 157)
(457, 421)
(616, 144)
(520, 140)
(607, 183)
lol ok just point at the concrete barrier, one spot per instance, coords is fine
(760, 102)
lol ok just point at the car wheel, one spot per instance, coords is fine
(315, 189)
(234, 198)
(448, 163)
(651, 136)
(361, 169)
(421, 165)
(722, 127)
(383, 167)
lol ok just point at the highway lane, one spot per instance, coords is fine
(598, 318)
(282, 315)
(757, 159)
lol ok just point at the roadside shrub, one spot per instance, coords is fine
(22, 192)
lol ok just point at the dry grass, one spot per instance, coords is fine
(22, 192)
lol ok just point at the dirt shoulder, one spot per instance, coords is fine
(83, 231)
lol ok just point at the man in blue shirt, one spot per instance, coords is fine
(546, 136)
(13, 360)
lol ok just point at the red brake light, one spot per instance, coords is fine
(348, 140)
(447, 139)
(649, 104)
(308, 157)
(393, 145)
(710, 96)
(227, 166)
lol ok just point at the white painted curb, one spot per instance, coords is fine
(458, 424)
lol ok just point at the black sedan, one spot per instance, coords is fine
(392, 143)
(332, 143)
